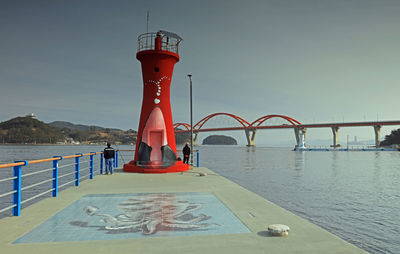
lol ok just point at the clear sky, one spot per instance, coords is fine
(313, 60)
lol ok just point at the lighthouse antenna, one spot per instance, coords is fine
(147, 23)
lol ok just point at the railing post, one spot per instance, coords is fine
(116, 159)
(55, 175)
(198, 160)
(17, 188)
(91, 165)
(101, 163)
(77, 169)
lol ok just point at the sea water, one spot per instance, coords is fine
(354, 195)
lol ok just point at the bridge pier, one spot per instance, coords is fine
(250, 140)
(300, 134)
(377, 129)
(196, 138)
(335, 130)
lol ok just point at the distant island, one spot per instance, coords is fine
(182, 137)
(219, 140)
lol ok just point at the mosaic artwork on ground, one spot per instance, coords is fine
(124, 216)
(149, 214)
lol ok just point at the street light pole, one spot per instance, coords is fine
(191, 122)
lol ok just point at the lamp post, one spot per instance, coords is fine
(191, 122)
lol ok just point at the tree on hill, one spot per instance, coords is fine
(392, 138)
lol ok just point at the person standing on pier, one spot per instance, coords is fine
(109, 154)
(186, 154)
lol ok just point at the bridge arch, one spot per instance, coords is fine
(185, 125)
(262, 119)
(200, 124)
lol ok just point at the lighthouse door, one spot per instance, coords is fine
(156, 143)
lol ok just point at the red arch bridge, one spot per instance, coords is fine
(289, 122)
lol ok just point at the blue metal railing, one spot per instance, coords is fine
(73, 175)
(198, 158)
(54, 180)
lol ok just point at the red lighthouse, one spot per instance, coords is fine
(155, 144)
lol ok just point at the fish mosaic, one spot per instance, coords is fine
(151, 213)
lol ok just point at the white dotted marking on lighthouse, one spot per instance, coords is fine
(158, 93)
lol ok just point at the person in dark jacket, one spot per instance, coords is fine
(186, 154)
(109, 154)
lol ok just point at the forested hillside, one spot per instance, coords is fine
(392, 138)
(29, 130)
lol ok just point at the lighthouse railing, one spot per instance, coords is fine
(146, 41)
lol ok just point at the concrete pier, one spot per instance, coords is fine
(251, 136)
(335, 131)
(300, 134)
(233, 219)
(377, 130)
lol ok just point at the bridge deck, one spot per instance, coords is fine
(289, 126)
(167, 213)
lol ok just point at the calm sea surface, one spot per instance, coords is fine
(354, 195)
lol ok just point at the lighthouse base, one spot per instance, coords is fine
(155, 168)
